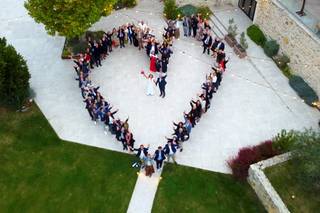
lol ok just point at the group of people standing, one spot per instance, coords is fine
(96, 105)
(199, 106)
(141, 37)
(159, 64)
(200, 29)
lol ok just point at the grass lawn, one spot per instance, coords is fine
(41, 173)
(282, 180)
(186, 189)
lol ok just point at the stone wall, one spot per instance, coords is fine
(262, 186)
(209, 3)
(295, 39)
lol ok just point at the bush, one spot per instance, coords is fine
(79, 45)
(188, 10)
(14, 76)
(170, 10)
(271, 48)
(287, 72)
(232, 28)
(282, 61)
(204, 12)
(284, 141)
(303, 90)
(243, 41)
(306, 160)
(250, 155)
(125, 3)
(256, 35)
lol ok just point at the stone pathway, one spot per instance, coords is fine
(144, 193)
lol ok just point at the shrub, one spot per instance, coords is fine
(265, 150)
(303, 90)
(250, 155)
(232, 28)
(306, 160)
(282, 61)
(125, 3)
(284, 141)
(271, 48)
(204, 12)
(287, 72)
(14, 76)
(256, 35)
(243, 41)
(170, 10)
(241, 163)
(188, 10)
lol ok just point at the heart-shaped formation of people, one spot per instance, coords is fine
(141, 37)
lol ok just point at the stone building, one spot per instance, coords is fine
(299, 37)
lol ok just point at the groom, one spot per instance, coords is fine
(162, 84)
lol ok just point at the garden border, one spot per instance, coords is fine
(262, 186)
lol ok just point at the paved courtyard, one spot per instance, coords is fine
(253, 104)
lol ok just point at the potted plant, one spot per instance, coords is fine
(232, 33)
(240, 49)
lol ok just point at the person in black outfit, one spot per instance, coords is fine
(109, 40)
(194, 24)
(162, 84)
(207, 42)
(220, 56)
(196, 108)
(96, 54)
(121, 36)
(164, 65)
(159, 157)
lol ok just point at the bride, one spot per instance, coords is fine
(151, 83)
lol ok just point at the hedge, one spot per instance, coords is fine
(14, 76)
(256, 35)
(271, 48)
(303, 90)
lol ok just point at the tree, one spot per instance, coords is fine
(70, 18)
(14, 76)
(301, 11)
(306, 159)
(170, 10)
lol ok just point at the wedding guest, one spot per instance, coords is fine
(170, 150)
(207, 41)
(142, 153)
(159, 157)
(185, 24)
(194, 25)
(121, 36)
(149, 169)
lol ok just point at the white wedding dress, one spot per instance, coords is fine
(150, 87)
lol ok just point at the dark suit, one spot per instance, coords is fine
(121, 36)
(144, 150)
(162, 85)
(207, 42)
(159, 157)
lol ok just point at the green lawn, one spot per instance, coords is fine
(41, 173)
(186, 189)
(284, 183)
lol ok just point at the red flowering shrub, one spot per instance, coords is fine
(265, 150)
(249, 155)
